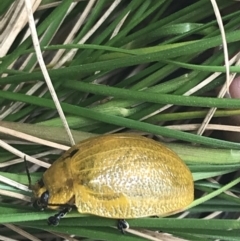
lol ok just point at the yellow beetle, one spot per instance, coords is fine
(118, 176)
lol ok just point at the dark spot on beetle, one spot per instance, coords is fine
(69, 183)
(68, 186)
(59, 190)
(73, 152)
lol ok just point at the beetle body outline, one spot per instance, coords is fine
(118, 176)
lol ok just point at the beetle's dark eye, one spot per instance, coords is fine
(44, 198)
(42, 202)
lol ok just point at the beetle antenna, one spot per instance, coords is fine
(28, 173)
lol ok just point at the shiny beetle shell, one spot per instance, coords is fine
(118, 176)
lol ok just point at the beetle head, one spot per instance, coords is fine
(55, 189)
(41, 195)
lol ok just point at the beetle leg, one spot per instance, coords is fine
(54, 220)
(122, 225)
